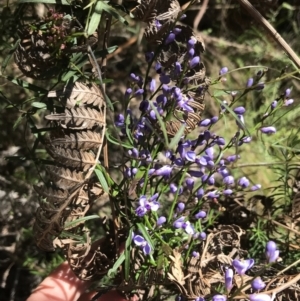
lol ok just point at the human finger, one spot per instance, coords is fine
(60, 285)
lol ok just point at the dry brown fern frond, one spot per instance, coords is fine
(75, 145)
(84, 140)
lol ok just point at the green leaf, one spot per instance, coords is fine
(39, 105)
(111, 273)
(95, 18)
(127, 129)
(18, 121)
(25, 85)
(146, 235)
(113, 12)
(127, 254)
(161, 123)
(10, 54)
(81, 219)
(102, 179)
(114, 140)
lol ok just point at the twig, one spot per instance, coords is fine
(200, 14)
(270, 29)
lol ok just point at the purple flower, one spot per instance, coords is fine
(232, 158)
(206, 135)
(189, 183)
(134, 78)
(255, 187)
(219, 298)
(205, 122)
(152, 115)
(178, 68)
(200, 193)
(133, 153)
(257, 284)
(195, 254)
(243, 182)
(152, 85)
(243, 266)
(191, 53)
(194, 62)
(246, 139)
(260, 297)
(179, 162)
(214, 119)
(240, 121)
(213, 194)
(144, 105)
(202, 160)
(119, 121)
(228, 279)
(164, 79)
(180, 207)
(274, 104)
(173, 188)
(200, 214)
(183, 104)
(191, 42)
(139, 92)
(223, 71)
(228, 180)
(157, 67)
(188, 228)
(161, 220)
(141, 242)
(128, 93)
(127, 172)
(210, 152)
(260, 86)
(177, 30)
(202, 236)
(208, 179)
(268, 130)
(147, 205)
(179, 223)
(220, 141)
(158, 24)
(239, 110)
(249, 82)
(164, 171)
(149, 56)
(288, 102)
(227, 191)
(287, 92)
(190, 156)
(223, 171)
(272, 253)
(170, 38)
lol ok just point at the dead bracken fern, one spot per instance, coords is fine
(75, 144)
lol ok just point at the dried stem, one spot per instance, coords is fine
(270, 29)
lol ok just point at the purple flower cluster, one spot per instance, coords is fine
(147, 204)
(242, 266)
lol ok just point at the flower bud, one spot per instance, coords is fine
(257, 284)
(223, 71)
